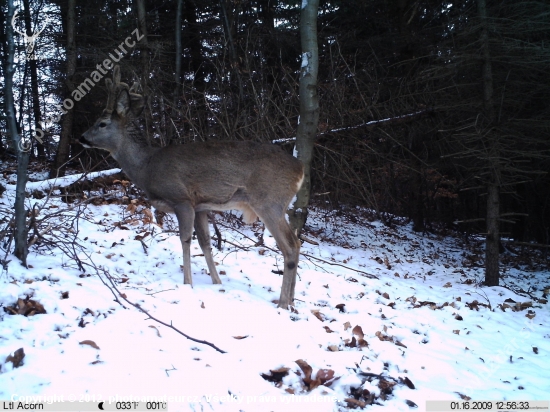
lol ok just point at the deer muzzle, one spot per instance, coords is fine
(85, 142)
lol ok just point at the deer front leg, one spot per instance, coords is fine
(186, 216)
(203, 235)
(289, 244)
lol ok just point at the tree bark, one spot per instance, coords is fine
(63, 148)
(309, 110)
(40, 148)
(229, 27)
(177, 75)
(145, 68)
(11, 143)
(21, 248)
(492, 240)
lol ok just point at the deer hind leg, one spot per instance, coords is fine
(289, 244)
(186, 215)
(203, 235)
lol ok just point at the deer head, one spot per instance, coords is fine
(190, 180)
(123, 104)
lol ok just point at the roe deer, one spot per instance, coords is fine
(191, 179)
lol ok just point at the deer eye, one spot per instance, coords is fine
(102, 124)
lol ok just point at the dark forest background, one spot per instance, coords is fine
(438, 111)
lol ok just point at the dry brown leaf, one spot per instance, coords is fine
(333, 348)
(155, 328)
(407, 382)
(17, 358)
(448, 285)
(328, 330)
(314, 384)
(352, 343)
(26, 307)
(324, 375)
(90, 343)
(318, 315)
(523, 305)
(276, 375)
(411, 299)
(385, 295)
(202, 305)
(347, 325)
(354, 402)
(362, 343)
(463, 397)
(240, 337)
(456, 332)
(357, 330)
(306, 369)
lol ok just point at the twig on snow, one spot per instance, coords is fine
(138, 307)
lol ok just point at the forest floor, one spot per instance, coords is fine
(384, 318)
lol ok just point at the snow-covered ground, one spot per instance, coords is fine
(421, 330)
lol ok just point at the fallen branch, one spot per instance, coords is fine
(368, 275)
(138, 307)
(528, 244)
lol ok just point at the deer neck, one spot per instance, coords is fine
(133, 155)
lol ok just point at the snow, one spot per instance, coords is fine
(406, 291)
(305, 59)
(64, 181)
(304, 4)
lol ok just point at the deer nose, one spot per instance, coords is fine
(84, 142)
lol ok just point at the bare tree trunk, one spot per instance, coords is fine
(63, 149)
(309, 110)
(34, 86)
(194, 39)
(177, 74)
(21, 248)
(228, 26)
(11, 143)
(492, 240)
(144, 53)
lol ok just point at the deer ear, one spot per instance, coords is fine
(137, 103)
(123, 103)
